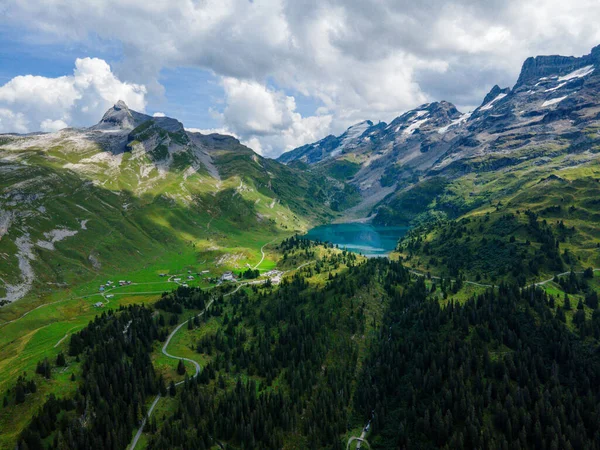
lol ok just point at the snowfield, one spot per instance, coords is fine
(553, 101)
(579, 73)
(455, 122)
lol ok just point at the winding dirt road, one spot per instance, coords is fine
(196, 365)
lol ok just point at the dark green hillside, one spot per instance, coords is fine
(342, 343)
(117, 379)
(547, 227)
(501, 371)
(416, 203)
(342, 170)
(280, 362)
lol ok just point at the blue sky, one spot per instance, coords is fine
(190, 93)
(275, 73)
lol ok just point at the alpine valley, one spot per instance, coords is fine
(157, 292)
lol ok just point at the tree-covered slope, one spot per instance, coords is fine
(501, 371)
(526, 224)
(344, 348)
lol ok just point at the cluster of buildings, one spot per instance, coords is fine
(274, 275)
(110, 284)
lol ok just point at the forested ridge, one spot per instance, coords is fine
(302, 364)
(117, 380)
(511, 246)
(284, 367)
(500, 371)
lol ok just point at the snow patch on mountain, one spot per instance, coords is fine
(414, 126)
(356, 131)
(553, 101)
(455, 122)
(350, 137)
(490, 104)
(579, 73)
(414, 122)
(556, 87)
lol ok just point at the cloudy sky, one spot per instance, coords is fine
(275, 73)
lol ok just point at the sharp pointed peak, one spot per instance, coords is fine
(120, 105)
(119, 116)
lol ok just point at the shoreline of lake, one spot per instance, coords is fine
(358, 237)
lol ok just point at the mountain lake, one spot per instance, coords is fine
(369, 240)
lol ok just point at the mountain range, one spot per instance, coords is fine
(549, 119)
(79, 203)
(430, 161)
(135, 169)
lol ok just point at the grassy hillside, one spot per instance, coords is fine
(341, 343)
(523, 222)
(74, 215)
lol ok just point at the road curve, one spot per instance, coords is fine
(541, 283)
(262, 252)
(538, 283)
(139, 431)
(167, 354)
(196, 365)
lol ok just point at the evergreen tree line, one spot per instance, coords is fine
(497, 253)
(295, 348)
(183, 298)
(17, 394)
(116, 381)
(500, 371)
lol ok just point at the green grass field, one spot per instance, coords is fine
(491, 238)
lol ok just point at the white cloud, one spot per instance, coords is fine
(11, 122)
(357, 59)
(266, 119)
(35, 103)
(221, 130)
(52, 125)
(159, 114)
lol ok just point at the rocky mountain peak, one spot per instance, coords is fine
(443, 110)
(120, 117)
(595, 53)
(120, 105)
(538, 67)
(494, 92)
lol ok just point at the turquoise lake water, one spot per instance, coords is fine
(370, 240)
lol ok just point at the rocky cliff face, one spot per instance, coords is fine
(544, 66)
(120, 117)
